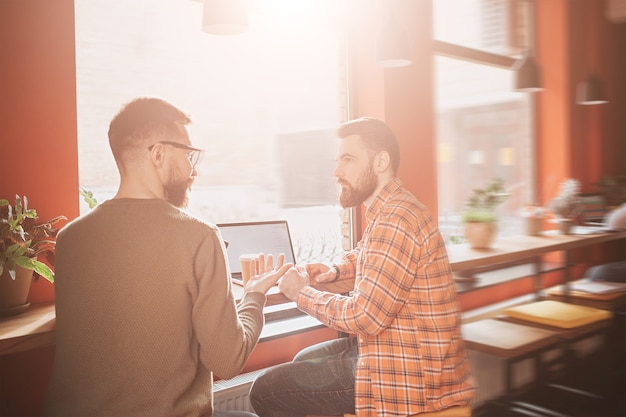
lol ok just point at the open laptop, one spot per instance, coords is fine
(268, 237)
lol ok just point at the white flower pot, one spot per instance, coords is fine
(532, 226)
(565, 226)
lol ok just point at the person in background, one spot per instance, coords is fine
(612, 271)
(145, 312)
(407, 355)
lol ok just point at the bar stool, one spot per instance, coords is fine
(512, 343)
(567, 390)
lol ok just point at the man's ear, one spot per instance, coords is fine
(157, 155)
(381, 161)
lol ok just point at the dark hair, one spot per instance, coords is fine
(144, 121)
(376, 135)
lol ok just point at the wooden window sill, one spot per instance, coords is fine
(32, 329)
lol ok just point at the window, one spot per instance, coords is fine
(264, 104)
(484, 128)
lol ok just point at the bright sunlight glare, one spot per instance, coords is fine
(296, 14)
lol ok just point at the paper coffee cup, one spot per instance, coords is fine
(245, 261)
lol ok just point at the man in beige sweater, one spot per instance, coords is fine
(145, 312)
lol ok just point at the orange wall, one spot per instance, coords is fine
(583, 142)
(38, 147)
(38, 152)
(400, 96)
(38, 157)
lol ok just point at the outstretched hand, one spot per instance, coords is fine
(293, 281)
(321, 272)
(264, 275)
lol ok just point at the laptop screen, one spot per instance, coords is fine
(268, 237)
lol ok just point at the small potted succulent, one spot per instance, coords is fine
(479, 215)
(22, 240)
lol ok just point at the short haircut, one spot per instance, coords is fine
(144, 121)
(376, 135)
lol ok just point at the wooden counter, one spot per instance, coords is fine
(509, 250)
(35, 327)
(32, 329)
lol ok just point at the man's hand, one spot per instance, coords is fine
(263, 274)
(293, 281)
(319, 272)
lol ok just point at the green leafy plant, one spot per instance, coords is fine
(88, 197)
(480, 206)
(23, 239)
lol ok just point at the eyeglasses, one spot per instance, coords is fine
(194, 154)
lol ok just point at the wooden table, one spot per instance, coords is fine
(604, 301)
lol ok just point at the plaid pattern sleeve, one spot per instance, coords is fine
(404, 311)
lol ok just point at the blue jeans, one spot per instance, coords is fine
(320, 380)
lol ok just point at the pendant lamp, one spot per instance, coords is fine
(527, 73)
(392, 48)
(589, 92)
(224, 17)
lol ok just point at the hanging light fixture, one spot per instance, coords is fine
(224, 17)
(527, 73)
(392, 48)
(589, 92)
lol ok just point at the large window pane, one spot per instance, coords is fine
(483, 132)
(484, 129)
(264, 105)
(496, 26)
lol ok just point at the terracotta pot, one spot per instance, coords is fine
(480, 235)
(14, 292)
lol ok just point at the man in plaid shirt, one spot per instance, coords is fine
(407, 355)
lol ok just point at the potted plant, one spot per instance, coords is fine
(22, 240)
(479, 216)
(567, 204)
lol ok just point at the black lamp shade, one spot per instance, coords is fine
(590, 92)
(527, 76)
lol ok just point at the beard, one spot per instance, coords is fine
(366, 185)
(177, 190)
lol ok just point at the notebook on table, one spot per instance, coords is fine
(268, 237)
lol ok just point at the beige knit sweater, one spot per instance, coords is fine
(145, 314)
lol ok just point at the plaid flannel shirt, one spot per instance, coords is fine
(404, 310)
